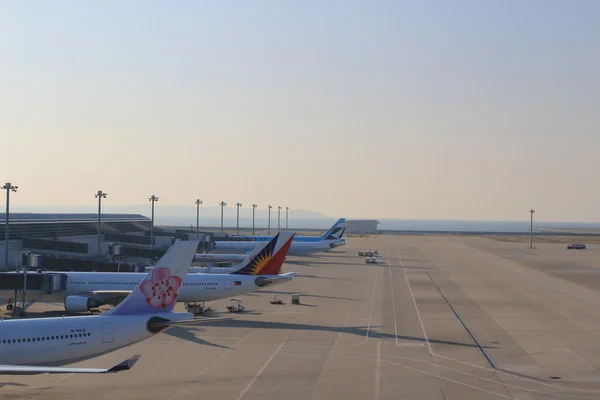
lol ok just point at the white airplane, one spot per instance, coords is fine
(88, 290)
(63, 340)
(204, 259)
(334, 233)
(302, 245)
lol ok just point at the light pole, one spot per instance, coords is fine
(198, 202)
(9, 188)
(223, 204)
(152, 199)
(269, 226)
(238, 205)
(100, 195)
(532, 211)
(287, 210)
(253, 209)
(278, 219)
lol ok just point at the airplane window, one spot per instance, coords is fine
(4, 341)
(52, 337)
(47, 337)
(71, 336)
(29, 340)
(19, 340)
(43, 338)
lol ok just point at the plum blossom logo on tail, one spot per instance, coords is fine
(161, 289)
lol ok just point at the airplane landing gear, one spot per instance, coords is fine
(197, 308)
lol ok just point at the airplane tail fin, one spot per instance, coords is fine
(336, 231)
(158, 291)
(269, 259)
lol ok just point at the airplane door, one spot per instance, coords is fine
(107, 332)
(228, 284)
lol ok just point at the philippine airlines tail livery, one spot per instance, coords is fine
(58, 341)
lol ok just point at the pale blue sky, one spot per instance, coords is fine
(388, 109)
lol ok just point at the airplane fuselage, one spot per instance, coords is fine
(69, 339)
(296, 248)
(200, 258)
(195, 288)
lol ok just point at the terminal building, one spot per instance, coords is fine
(361, 226)
(71, 241)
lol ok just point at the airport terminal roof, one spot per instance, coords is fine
(67, 217)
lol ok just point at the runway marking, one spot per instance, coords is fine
(208, 366)
(564, 291)
(372, 303)
(378, 371)
(331, 349)
(412, 296)
(499, 372)
(243, 392)
(370, 314)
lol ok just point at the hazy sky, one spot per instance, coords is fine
(388, 109)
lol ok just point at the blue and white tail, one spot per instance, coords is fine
(336, 231)
(158, 291)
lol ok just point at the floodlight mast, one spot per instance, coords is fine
(198, 202)
(287, 210)
(223, 204)
(153, 199)
(9, 188)
(269, 225)
(99, 195)
(253, 209)
(238, 205)
(532, 211)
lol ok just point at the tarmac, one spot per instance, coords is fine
(440, 317)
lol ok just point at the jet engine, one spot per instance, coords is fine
(75, 304)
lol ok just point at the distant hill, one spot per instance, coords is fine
(209, 216)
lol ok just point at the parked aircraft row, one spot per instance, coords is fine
(85, 291)
(144, 303)
(301, 245)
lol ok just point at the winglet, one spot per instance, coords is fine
(269, 260)
(158, 291)
(125, 365)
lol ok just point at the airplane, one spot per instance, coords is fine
(204, 258)
(334, 233)
(302, 245)
(37, 345)
(89, 290)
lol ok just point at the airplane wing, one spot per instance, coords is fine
(29, 370)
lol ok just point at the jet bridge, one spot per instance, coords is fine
(29, 287)
(48, 282)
